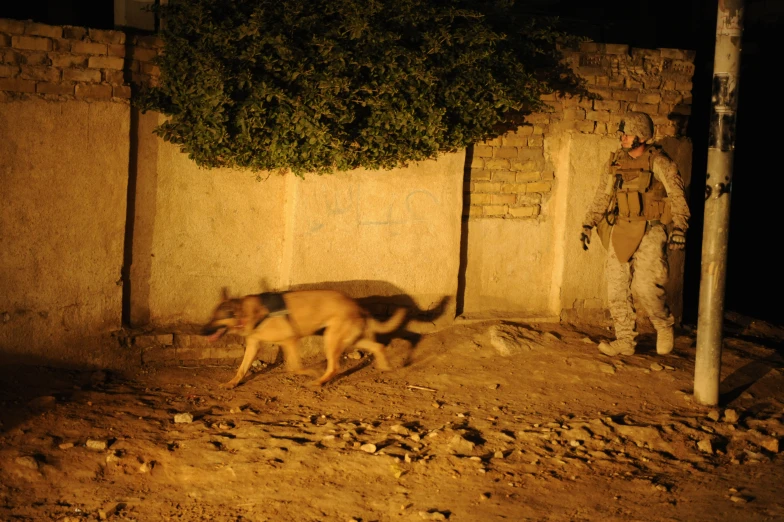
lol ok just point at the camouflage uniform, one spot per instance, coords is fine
(643, 270)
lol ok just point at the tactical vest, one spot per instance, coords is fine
(638, 195)
(638, 198)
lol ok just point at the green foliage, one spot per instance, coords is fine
(318, 85)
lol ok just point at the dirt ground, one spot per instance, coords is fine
(490, 421)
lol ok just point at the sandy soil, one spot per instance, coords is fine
(490, 421)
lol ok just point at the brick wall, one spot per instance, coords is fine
(510, 176)
(64, 62)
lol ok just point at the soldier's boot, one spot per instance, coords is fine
(665, 340)
(617, 347)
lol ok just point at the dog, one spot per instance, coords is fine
(285, 318)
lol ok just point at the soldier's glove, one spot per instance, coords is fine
(585, 237)
(677, 239)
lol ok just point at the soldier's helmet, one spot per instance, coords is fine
(637, 124)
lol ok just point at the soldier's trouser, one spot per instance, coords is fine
(645, 274)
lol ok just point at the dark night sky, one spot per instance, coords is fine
(754, 275)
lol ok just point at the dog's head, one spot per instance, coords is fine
(226, 316)
(240, 315)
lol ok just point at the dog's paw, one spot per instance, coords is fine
(228, 385)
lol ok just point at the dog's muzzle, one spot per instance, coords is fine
(213, 332)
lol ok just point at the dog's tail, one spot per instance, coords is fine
(390, 325)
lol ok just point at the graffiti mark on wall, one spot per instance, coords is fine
(352, 205)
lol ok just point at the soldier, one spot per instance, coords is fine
(639, 195)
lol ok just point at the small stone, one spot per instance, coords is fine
(771, 444)
(667, 367)
(575, 443)
(656, 367)
(494, 386)
(484, 496)
(705, 446)
(146, 467)
(498, 455)
(461, 415)
(714, 415)
(368, 448)
(399, 428)
(183, 418)
(738, 499)
(96, 444)
(436, 405)
(587, 340)
(112, 456)
(354, 355)
(66, 445)
(607, 368)
(27, 462)
(460, 445)
(102, 514)
(731, 416)
(754, 456)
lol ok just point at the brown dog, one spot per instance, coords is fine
(287, 317)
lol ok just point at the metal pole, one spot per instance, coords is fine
(718, 186)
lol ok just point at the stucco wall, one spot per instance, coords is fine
(399, 227)
(63, 172)
(198, 230)
(384, 232)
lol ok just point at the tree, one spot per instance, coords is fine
(319, 85)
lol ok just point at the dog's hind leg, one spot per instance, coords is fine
(377, 349)
(251, 349)
(293, 362)
(334, 343)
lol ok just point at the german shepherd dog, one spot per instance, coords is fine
(287, 317)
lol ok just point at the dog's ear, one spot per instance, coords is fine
(264, 285)
(253, 312)
(224, 294)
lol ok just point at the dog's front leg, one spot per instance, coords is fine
(251, 349)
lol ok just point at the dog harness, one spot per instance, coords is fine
(273, 301)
